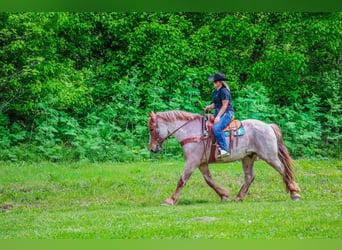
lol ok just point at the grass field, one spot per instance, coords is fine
(122, 201)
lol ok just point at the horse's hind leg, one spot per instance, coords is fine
(288, 179)
(223, 193)
(247, 164)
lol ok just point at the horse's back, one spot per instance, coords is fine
(257, 125)
(254, 122)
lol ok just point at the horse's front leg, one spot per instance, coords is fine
(189, 168)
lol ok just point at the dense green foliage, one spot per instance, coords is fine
(122, 201)
(78, 86)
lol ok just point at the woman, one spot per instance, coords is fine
(224, 111)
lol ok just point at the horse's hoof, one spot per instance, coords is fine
(237, 199)
(224, 198)
(168, 202)
(295, 196)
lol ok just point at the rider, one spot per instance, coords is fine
(224, 111)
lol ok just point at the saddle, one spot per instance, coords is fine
(234, 129)
(232, 126)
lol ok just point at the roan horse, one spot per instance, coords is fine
(260, 140)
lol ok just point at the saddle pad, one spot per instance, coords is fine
(240, 131)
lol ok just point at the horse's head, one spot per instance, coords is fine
(158, 133)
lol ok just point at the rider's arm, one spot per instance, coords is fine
(210, 107)
(222, 110)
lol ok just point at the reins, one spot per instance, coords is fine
(160, 139)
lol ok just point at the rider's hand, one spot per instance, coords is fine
(217, 119)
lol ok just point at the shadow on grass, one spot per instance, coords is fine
(187, 202)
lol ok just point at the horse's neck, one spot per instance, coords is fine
(191, 129)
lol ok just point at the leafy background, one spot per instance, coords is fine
(78, 86)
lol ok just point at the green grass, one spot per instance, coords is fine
(122, 201)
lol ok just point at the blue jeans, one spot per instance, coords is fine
(218, 130)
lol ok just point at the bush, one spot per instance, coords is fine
(79, 86)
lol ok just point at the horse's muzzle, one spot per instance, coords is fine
(155, 149)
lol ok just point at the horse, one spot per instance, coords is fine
(261, 140)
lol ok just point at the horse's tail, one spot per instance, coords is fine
(286, 159)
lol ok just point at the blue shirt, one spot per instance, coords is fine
(220, 95)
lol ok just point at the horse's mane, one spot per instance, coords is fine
(174, 115)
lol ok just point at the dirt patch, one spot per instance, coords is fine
(204, 218)
(6, 207)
